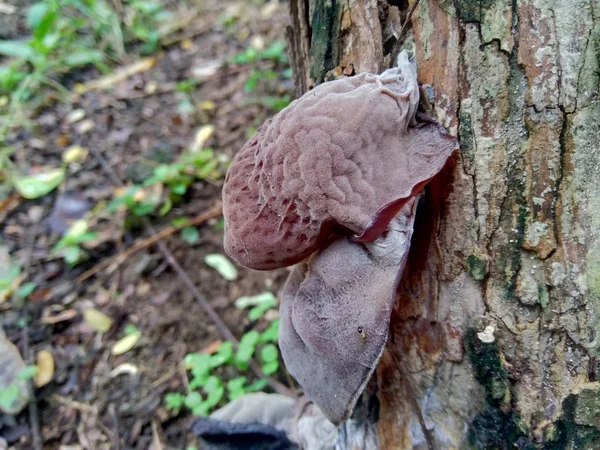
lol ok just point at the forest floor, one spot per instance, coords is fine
(208, 85)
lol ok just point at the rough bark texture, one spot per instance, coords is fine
(494, 341)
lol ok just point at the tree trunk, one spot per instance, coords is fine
(494, 341)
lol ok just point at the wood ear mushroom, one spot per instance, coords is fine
(333, 177)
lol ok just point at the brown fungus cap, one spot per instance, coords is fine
(342, 159)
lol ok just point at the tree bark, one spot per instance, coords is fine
(494, 341)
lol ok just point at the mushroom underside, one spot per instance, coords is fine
(335, 313)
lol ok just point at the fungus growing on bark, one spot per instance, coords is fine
(342, 159)
(330, 183)
(335, 313)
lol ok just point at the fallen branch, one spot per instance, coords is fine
(121, 74)
(185, 278)
(213, 212)
(33, 410)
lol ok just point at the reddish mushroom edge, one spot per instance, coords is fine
(340, 161)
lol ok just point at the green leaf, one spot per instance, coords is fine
(190, 235)
(72, 254)
(196, 359)
(38, 185)
(276, 52)
(36, 14)
(166, 207)
(201, 410)
(180, 221)
(40, 19)
(222, 265)
(271, 334)
(26, 289)
(179, 188)
(235, 384)
(83, 58)
(193, 399)
(270, 368)
(174, 401)
(246, 349)
(223, 355)
(258, 311)
(214, 390)
(199, 365)
(27, 373)
(17, 49)
(258, 385)
(236, 394)
(266, 298)
(131, 329)
(269, 353)
(8, 396)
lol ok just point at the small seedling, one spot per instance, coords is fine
(69, 245)
(172, 180)
(10, 394)
(217, 378)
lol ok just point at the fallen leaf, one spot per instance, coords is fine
(202, 136)
(74, 153)
(62, 316)
(125, 344)
(85, 126)
(124, 369)
(207, 105)
(222, 265)
(45, 365)
(63, 140)
(96, 320)
(76, 115)
(211, 348)
(151, 87)
(186, 44)
(14, 392)
(208, 69)
(40, 184)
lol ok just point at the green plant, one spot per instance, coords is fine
(259, 75)
(66, 34)
(215, 378)
(69, 246)
(143, 19)
(172, 181)
(10, 394)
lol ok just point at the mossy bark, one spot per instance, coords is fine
(494, 342)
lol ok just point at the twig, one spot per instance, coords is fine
(116, 432)
(408, 17)
(34, 413)
(398, 35)
(211, 213)
(4, 204)
(187, 281)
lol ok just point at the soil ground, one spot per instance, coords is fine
(88, 405)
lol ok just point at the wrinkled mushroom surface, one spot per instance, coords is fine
(342, 159)
(335, 313)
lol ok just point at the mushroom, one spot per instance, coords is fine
(342, 159)
(329, 184)
(335, 314)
